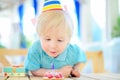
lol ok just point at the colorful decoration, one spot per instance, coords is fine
(52, 5)
(53, 76)
(14, 71)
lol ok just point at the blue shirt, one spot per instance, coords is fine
(37, 58)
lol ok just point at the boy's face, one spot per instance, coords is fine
(54, 42)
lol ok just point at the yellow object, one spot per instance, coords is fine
(11, 52)
(97, 61)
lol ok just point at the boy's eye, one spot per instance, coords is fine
(60, 40)
(48, 39)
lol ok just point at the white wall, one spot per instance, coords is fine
(105, 16)
(112, 13)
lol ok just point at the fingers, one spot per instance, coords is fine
(75, 73)
(66, 70)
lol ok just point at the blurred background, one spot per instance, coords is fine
(97, 26)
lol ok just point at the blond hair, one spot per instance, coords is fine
(52, 19)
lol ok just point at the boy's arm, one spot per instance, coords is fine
(66, 70)
(76, 70)
(40, 72)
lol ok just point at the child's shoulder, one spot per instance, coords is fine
(74, 46)
(36, 44)
(35, 47)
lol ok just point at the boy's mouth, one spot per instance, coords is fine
(52, 52)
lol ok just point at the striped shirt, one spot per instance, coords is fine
(37, 58)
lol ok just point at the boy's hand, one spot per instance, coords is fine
(75, 73)
(66, 70)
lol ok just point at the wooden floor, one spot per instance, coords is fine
(91, 76)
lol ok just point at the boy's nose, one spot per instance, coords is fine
(53, 44)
